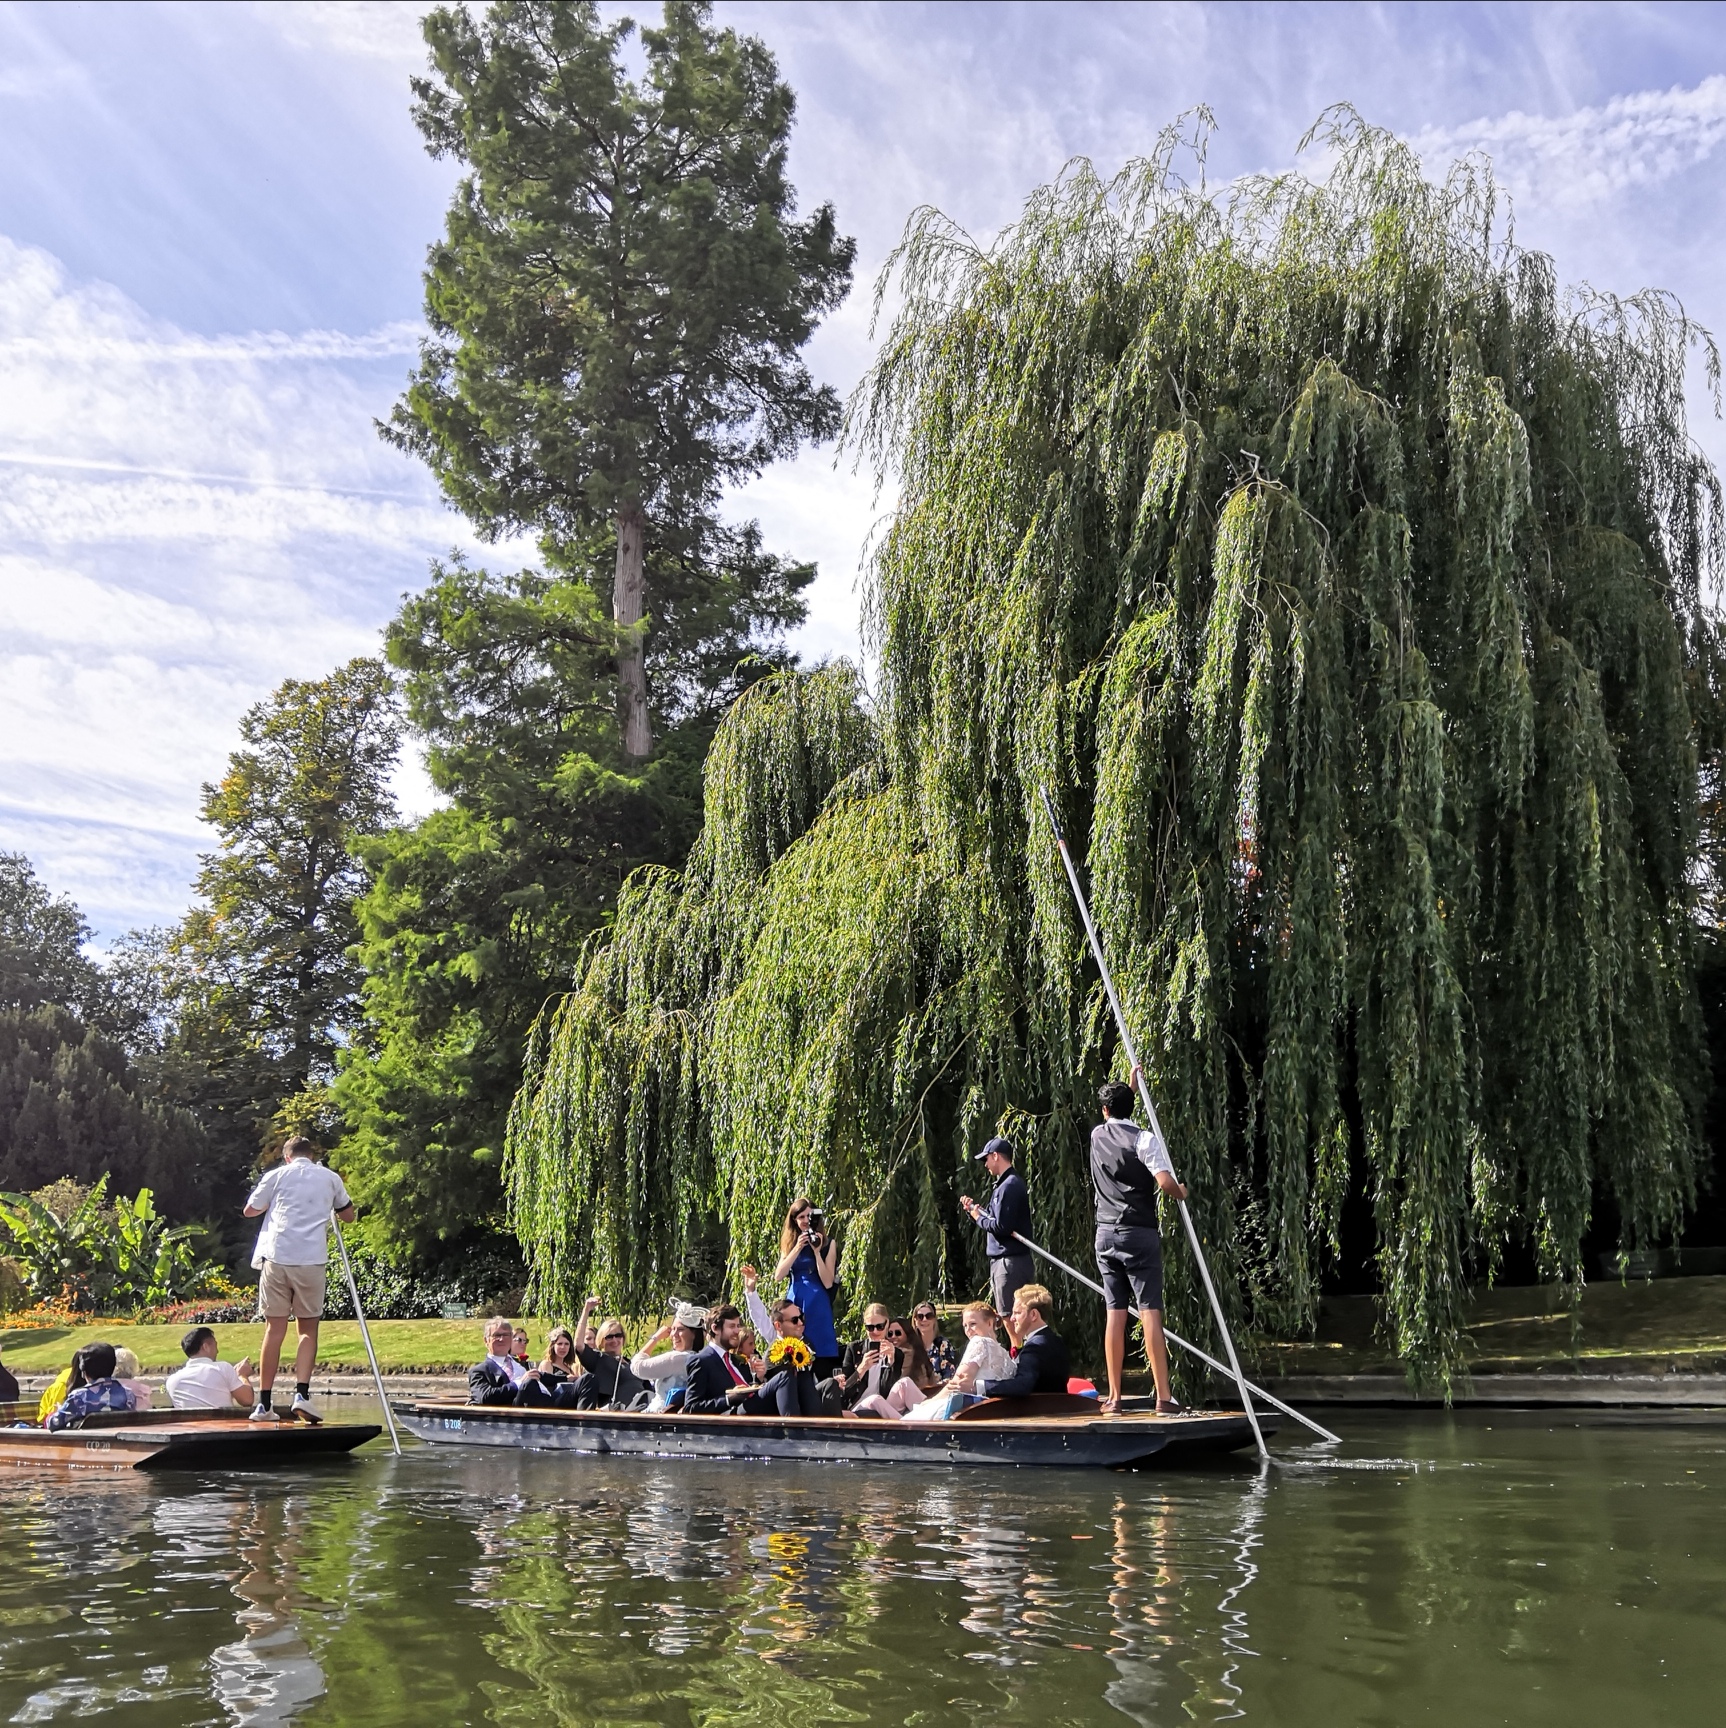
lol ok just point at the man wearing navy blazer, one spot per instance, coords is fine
(1041, 1365)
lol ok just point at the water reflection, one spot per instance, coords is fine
(1568, 1577)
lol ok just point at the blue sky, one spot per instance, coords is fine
(212, 222)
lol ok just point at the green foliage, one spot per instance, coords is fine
(102, 1259)
(617, 309)
(73, 1104)
(475, 914)
(260, 978)
(1345, 580)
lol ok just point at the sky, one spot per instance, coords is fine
(213, 221)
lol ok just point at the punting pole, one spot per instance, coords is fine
(366, 1334)
(1151, 1112)
(1175, 1338)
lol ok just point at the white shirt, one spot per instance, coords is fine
(296, 1198)
(990, 1359)
(517, 1374)
(204, 1384)
(1153, 1154)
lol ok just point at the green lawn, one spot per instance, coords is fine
(1642, 1326)
(1669, 1323)
(403, 1346)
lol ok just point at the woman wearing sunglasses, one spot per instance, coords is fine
(943, 1358)
(608, 1383)
(911, 1379)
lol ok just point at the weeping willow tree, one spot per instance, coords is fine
(1345, 581)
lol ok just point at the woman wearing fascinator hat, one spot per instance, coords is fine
(668, 1371)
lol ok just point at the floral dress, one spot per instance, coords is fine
(943, 1359)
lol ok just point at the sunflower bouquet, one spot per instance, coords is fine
(790, 1353)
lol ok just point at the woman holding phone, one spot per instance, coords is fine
(809, 1257)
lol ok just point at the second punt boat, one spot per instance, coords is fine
(1052, 1430)
(179, 1439)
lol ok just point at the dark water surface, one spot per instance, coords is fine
(1465, 1570)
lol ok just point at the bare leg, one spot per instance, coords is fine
(270, 1355)
(1115, 1353)
(305, 1358)
(1157, 1350)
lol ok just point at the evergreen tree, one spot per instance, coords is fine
(262, 985)
(617, 310)
(72, 1105)
(1345, 580)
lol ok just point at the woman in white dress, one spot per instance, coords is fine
(984, 1359)
(668, 1372)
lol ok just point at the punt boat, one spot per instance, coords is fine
(1050, 1429)
(115, 1441)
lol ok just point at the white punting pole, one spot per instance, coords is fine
(1151, 1111)
(366, 1334)
(1175, 1338)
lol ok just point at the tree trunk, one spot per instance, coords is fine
(627, 595)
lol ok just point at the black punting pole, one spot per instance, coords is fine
(1151, 1111)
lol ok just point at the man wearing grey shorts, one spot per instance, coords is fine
(1128, 1167)
(295, 1201)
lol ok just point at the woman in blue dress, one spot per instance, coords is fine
(809, 1257)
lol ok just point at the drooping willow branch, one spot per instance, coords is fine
(1351, 578)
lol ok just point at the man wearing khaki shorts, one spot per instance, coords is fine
(295, 1201)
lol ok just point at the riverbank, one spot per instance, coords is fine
(1658, 1342)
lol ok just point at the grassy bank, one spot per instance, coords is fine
(1671, 1323)
(1644, 1327)
(403, 1346)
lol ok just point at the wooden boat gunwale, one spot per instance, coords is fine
(180, 1439)
(1013, 1437)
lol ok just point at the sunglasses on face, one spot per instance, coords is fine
(924, 1314)
(874, 1325)
(612, 1338)
(895, 1336)
(792, 1319)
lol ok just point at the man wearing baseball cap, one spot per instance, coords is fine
(1007, 1214)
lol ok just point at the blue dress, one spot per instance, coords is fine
(810, 1294)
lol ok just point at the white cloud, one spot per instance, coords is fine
(187, 520)
(1633, 141)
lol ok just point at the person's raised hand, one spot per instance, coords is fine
(750, 1279)
(590, 1304)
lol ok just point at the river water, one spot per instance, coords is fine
(1467, 1570)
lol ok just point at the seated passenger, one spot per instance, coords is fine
(984, 1359)
(558, 1363)
(206, 1382)
(722, 1382)
(518, 1346)
(500, 1378)
(863, 1368)
(1041, 1365)
(54, 1394)
(8, 1385)
(905, 1369)
(608, 1383)
(129, 1373)
(93, 1390)
(668, 1371)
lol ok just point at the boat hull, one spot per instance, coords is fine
(227, 1444)
(1070, 1442)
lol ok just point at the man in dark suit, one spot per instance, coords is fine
(1042, 1364)
(500, 1379)
(722, 1383)
(1007, 1214)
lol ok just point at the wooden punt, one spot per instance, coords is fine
(179, 1440)
(1062, 1430)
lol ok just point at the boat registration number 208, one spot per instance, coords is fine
(453, 1424)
